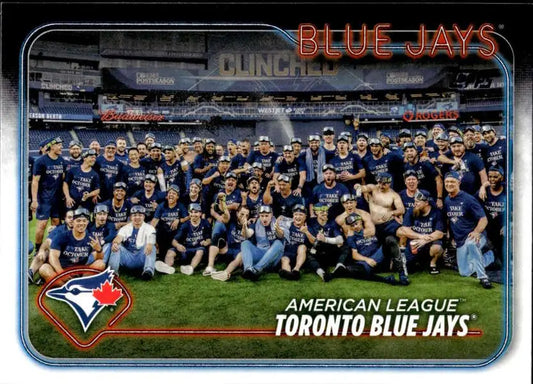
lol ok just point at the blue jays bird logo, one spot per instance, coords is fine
(88, 295)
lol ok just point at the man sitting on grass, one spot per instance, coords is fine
(298, 239)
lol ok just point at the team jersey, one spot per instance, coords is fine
(269, 232)
(166, 215)
(389, 163)
(146, 202)
(80, 182)
(330, 196)
(59, 230)
(72, 251)
(295, 238)
(106, 232)
(190, 235)
(253, 205)
(151, 165)
(118, 214)
(186, 200)
(110, 172)
(267, 160)
(51, 181)
(215, 185)
(173, 174)
(237, 161)
(330, 154)
(283, 205)
(425, 225)
(351, 163)
(479, 149)
(463, 212)
(122, 158)
(234, 236)
(202, 161)
(134, 178)
(426, 173)
(330, 229)
(71, 163)
(494, 207)
(292, 170)
(496, 154)
(130, 242)
(365, 246)
(470, 180)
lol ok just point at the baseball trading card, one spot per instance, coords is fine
(299, 188)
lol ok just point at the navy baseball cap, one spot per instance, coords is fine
(456, 139)
(410, 172)
(196, 139)
(422, 195)
(454, 128)
(284, 178)
(265, 209)
(469, 128)
(296, 140)
(385, 134)
(352, 218)
(287, 148)
(101, 208)
(174, 187)
(168, 148)
(328, 131)
(195, 207)
(75, 143)
(250, 179)
(210, 141)
(224, 159)
(258, 165)
(150, 177)
(409, 144)
(487, 128)
(497, 168)
(363, 136)
(299, 208)
(155, 145)
(231, 175)
(343, 138)
(453, 175)
(263, 138)
(347, 197)
(421, 133)
(120, 185)
(51, 141)
(314, 137)
(81, 212)
(328, 167)
(110, 143)
(404, 133)
(384, 177)
(185, 140)
(439, 125)
(348, 133)
(196, 181)
(442, 136)
(137, 209)
(149, 136)
(320, 207)
(374, 141)
(89, 152)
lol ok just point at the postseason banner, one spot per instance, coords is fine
(300, 65)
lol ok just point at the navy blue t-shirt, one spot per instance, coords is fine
(351, 163)
(151, 165)
(424, 224)
(253, 205)
(173, 174)
(426, 173)
(106, 232)
(51, 181)
(167, 215)
(463, 212)
(146, 202)
(110, 172)
(389, 163)
(118, 214)
(234, 236)
(283, 205)
(292, 170)
(496, 154)
(408, 202)
(330, 196)
(202, 161)
(191, 236)
(134, 178)
(72, 251)
(365, 246)
(59, 230)
(495, 208)
(296, 238)
(71, 163)
(479, 149)
(470, 181)
(267, 160)
(130, 243)
(80, 182)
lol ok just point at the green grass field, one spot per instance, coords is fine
(198, 302)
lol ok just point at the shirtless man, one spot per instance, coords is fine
(386, 210)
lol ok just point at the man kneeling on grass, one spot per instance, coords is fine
(190, 243)
(73, 248)
(134, 246)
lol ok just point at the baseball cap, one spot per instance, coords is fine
(257, 164)
(210, 141)
(442, 136)
(89, 152)
(328, 167)
(296, 140)
(454, 128)
(284, 178)
(469, 128)
(173, 187)
(352, 218)
(150, 177)
(137, 209)
(497, 168)
(250, 179)
(328, 131)
(224, 159)
(149, 136)
(347, 133)
(409, 144)
(347, 197)
(313, 137)
(422, 195)
(51, 141)
(385, 134)
(404, 133)
(320, 207)
(439, 125)
(185, 140)
(263, 138)
(155, 145)
(196, 181)
(265, 209)
(374, 141)
(81, 212)
(421, 133)
(343, 138)
(287, 148)
(197, 139)
(120, 185)
(299, 208)
(168, 148)
(110, 143)
(487, 128)
(456, 139)
(101, 208)
(362, 135)
(195, 207)
(384, 177)
(453, 175)
(256, 143)
(75, 143)
(132, 149)
(231, 175)
(410, 172)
